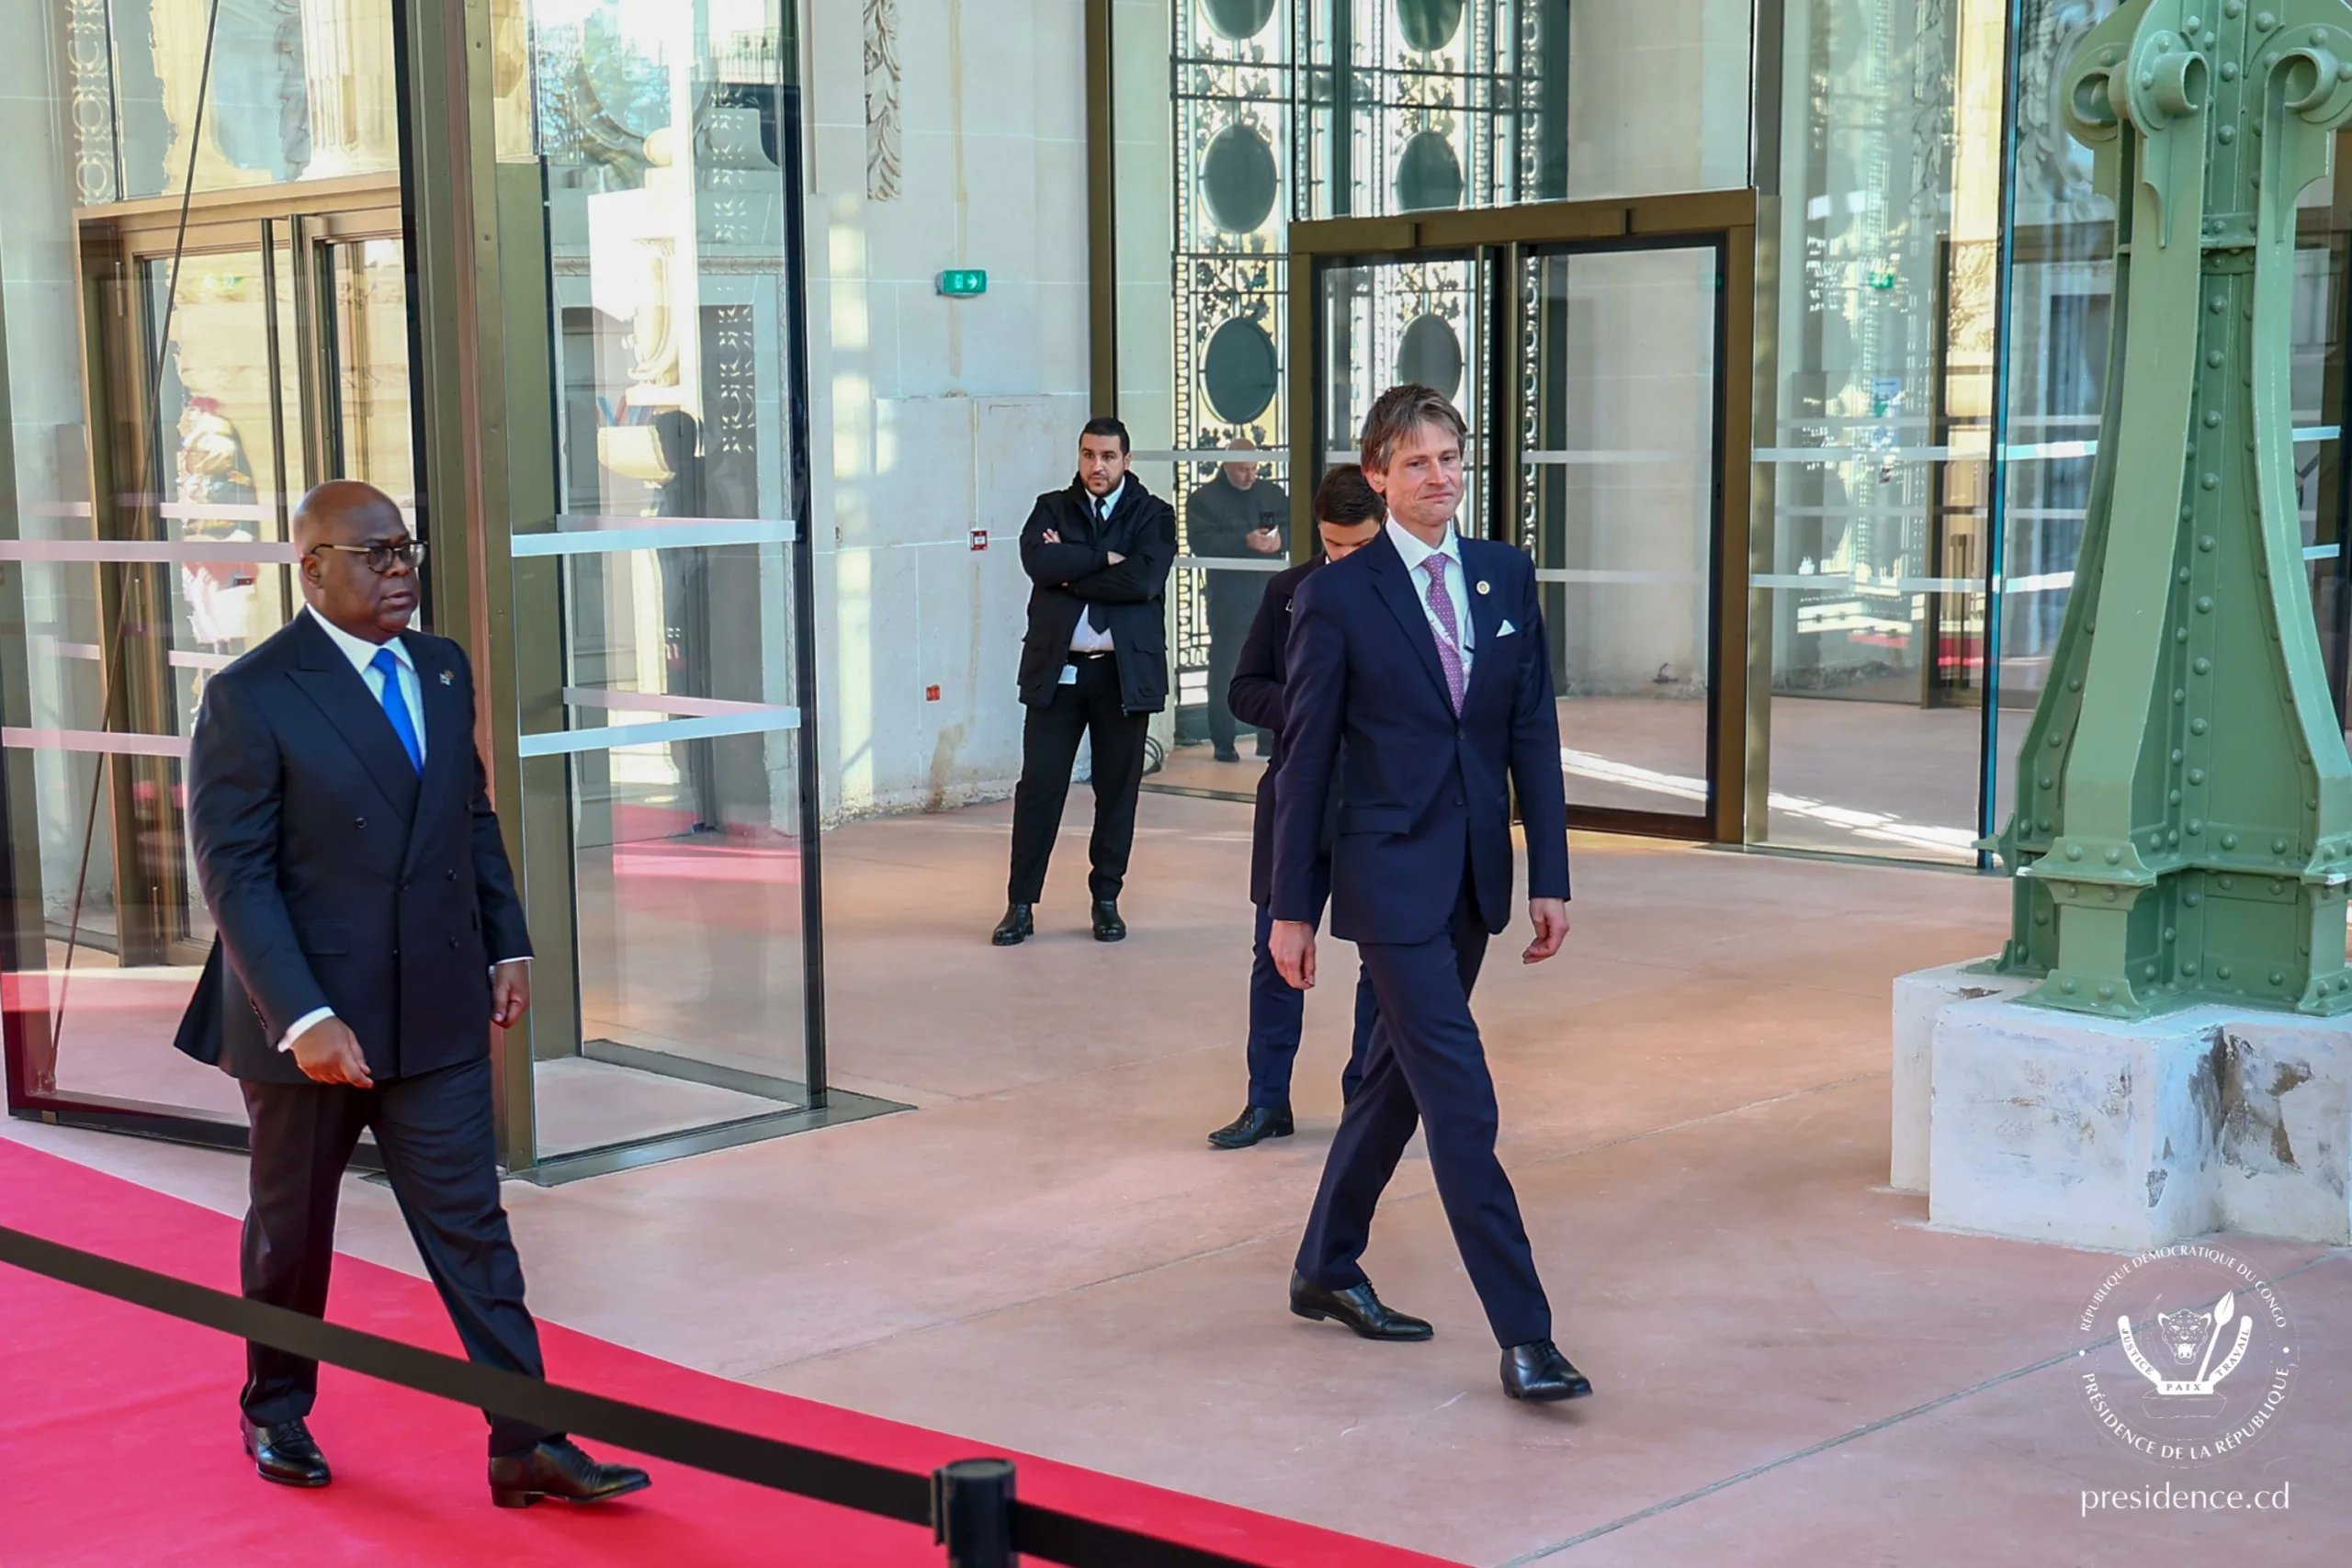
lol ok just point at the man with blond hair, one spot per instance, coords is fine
(1419, 671)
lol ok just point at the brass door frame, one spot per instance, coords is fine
(1511, 234)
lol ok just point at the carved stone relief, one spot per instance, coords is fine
(882, 164)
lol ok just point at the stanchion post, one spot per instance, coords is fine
(971, 1513)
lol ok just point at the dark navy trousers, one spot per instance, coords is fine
(1426, 1067)
(1277, 1014)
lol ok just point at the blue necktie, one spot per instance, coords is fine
(396, 705)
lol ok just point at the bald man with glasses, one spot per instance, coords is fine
(369, 938)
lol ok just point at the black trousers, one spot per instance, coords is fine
(1426, 1065)
(440, 1152)
(1049, 736)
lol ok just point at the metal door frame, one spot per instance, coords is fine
(1510, 235)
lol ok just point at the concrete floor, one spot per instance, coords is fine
(1791, 1367)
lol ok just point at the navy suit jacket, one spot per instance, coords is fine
(1256, 695)
(1423, 792)
(338, 876)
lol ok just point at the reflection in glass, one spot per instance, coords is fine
(1618, 497)
(2063, 317)
(211, 465)
(1874, 603)
(371, 368)
(665, 193)
(300, 90)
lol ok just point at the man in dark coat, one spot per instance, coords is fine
(370, 936)
(1094, 664)
(1348, 516)
(1240, 515)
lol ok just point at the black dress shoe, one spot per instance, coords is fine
(286, 1453)
(1108, 927)
(1258, 1122)
(1016, 927)
(1537, 1370)
(558, 1468)
(1227, 754)
(1357, 1307)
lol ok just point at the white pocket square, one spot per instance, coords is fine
(1506, 629)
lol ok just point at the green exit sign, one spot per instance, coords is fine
(964, 282)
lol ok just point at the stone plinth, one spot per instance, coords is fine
(2055, 1126)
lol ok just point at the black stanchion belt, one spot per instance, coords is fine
(1049, 1533)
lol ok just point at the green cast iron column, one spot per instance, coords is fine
(2184, 823)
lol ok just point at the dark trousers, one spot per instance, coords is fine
(1090, 706)
(1426, 1065)
(1278, 1012)
(440, 1152)
(1229, 620)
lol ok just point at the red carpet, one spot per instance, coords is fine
(117, 1438)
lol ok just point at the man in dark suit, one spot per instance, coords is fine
(1237, 515)
(1348, 515)
(355, 871)
(1094, 664)
(1419, 671)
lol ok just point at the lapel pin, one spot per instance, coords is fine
(1483, 588)
(447, 679)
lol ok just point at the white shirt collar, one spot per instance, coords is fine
(1410, 546)
(359, 650)
(1104, 505)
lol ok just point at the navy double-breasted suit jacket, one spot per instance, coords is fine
(338, 875)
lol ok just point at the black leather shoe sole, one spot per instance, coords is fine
(1230, 1137)
(1110, 933)
(509, 1498)
(1400, 1335)
(1551, 1393)
(1007, 938)
(309, 1479)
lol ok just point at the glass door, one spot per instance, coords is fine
(1589, 349)
(269, 356)
(1618, 497)
(1415, 318)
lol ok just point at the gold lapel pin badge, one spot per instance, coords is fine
(1484, 588)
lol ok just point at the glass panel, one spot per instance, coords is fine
(2061, 285)
(1424, 319)
(143, 927)
(1236, 523)
(1877, 471)
(1619, 499)
(662, 129)
(300, 90)
(369, 335)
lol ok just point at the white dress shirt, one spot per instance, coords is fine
(1457, 585)
(1086, 639)
(362, 654)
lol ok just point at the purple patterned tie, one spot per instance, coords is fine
(1448, 638)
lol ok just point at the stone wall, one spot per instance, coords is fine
(945, 133)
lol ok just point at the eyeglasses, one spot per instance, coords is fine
(410, 553)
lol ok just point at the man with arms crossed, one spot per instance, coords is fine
(1094, 667)
(1348, 515)
(1419, 669)
(356, 873)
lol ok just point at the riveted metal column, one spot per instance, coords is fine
(2184, 826)
(479, 351)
